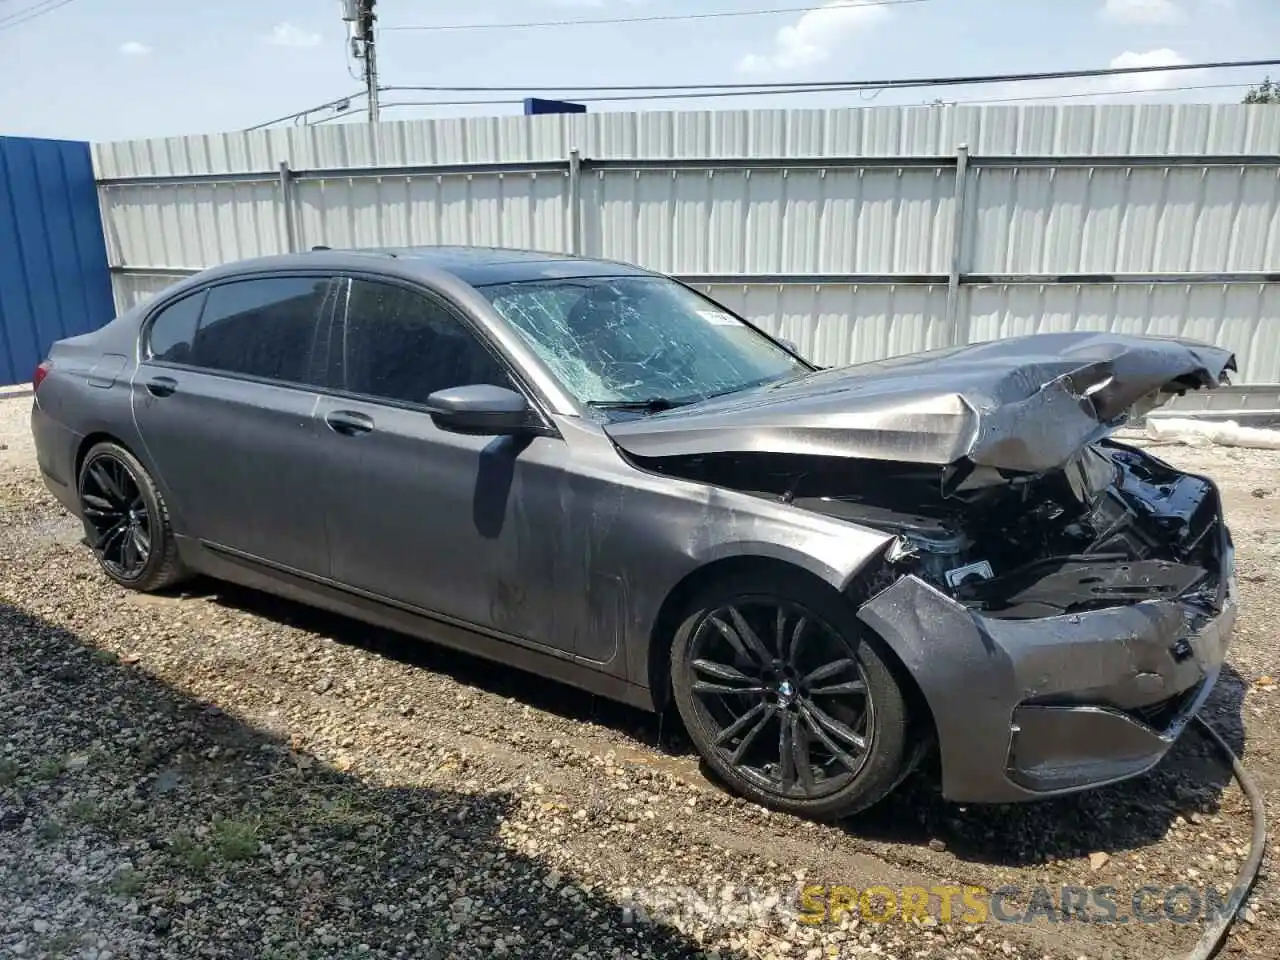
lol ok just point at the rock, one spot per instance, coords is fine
(1098, 860)
(324, 685)
(40, 926)
(936, 845)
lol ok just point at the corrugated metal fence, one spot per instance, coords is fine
(54, 281)
(855, 233)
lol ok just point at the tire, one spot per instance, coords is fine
(716, 687)
(123, 513)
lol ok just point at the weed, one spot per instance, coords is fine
(193, 856)
(127, 883)
(83, 810)
(50, 769)
(235, 839)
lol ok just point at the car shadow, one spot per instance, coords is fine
(231, 842)
(1129, 815)
(551, 696)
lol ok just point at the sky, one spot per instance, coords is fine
(124, 69)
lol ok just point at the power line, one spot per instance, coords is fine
(328, 104)
(654, 18)
(810, 86)
(31, 13)
(1102, 93)
(619, 93)
(740, 93)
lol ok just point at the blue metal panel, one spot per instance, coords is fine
(535, 106)
(54, 280)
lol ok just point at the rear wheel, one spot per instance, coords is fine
(787, 697)
(125, 520)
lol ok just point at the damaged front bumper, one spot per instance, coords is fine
(1026, 709)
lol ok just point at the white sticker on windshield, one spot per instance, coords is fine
(718, 317)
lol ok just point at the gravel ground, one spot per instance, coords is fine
(218, 773)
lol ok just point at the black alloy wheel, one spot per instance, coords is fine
(125, 520)
(789, 708)
(115, 514)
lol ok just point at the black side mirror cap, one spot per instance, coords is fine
(481, 409)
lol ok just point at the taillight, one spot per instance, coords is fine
(42, 371)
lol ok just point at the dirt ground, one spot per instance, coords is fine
(216, 773)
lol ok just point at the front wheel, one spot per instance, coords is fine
(787, 697)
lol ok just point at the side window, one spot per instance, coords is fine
(263, 328)
(405, 346)
(174, 330)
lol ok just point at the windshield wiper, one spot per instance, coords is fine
(649, 405)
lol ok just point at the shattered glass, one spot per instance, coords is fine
(636, 340)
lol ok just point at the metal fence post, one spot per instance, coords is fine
(957, 332)
(286, 202)
(575, 201)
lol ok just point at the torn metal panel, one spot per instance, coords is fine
(1074, 669)
(1025, 405)
(976, 672)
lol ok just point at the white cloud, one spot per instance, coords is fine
(815, 36)
(134, 48)
(288, 35)
(1156, 80)
(1142, 11)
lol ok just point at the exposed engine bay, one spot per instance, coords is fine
(1114, 527)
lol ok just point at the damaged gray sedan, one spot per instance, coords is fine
(596, 474)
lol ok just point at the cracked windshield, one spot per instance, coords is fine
(639, 341)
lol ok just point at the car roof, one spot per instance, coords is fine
(476, 266)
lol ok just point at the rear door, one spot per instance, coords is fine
(225, 399)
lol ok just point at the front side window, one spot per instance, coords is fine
(402, 345)
(265, 327)
(636, 340)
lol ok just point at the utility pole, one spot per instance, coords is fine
(359, 17)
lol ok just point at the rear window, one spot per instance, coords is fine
(265, 327)
(173, 331)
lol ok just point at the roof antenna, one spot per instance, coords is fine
(321, 246)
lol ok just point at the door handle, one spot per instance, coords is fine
(161, 386)
(349, 423)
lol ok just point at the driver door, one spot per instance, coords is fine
(463, 527)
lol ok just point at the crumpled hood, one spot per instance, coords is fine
(1026, 404)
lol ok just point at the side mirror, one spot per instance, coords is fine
(480, 409)
(790, 345)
